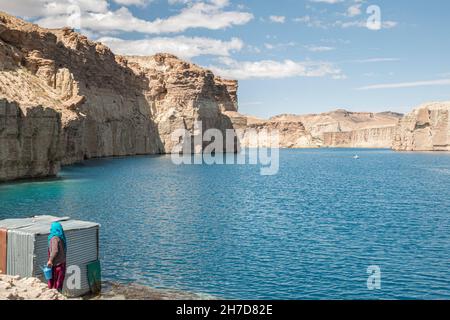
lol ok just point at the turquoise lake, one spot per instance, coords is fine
(309, 232)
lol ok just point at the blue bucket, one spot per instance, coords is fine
(48, 273)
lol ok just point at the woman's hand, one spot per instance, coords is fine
(50, 263)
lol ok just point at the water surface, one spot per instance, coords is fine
(309, 232)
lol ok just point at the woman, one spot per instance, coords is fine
(57, 249)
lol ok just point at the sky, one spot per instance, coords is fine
(290, 56)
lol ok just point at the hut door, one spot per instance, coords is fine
(3, 251)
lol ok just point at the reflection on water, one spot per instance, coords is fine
(309, 232)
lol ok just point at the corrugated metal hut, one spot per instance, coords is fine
(24, 249)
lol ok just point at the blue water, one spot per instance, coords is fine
(309, 232)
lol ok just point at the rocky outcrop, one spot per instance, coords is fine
(16, 288)
(289, 135)
(89, 103)
(337, 129)
(362, 138)
(181, 94)
(30, 142)
(427, 128)
(253, 132)
(343, 128)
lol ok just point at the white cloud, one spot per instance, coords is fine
(372, 60)
(271, 69)
(40, 8)
(278, 19)
(314, 48)
(354, 10)
(133, 2)
(273, 46)
(183, 47)
(363, 24)
(304, 19)
(312, 22)
(327, 1)
(441, 82)
(96, 16)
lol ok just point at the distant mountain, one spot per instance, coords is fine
(339, 128)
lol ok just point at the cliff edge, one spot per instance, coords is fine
(335, 129)
(426, 128)
(64, 98)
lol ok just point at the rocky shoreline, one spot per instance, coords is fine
(133, 291)
(16, 288)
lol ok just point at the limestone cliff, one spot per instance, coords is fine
(338, 129)
(361, 138)
(342, 128)
(427, 128)
(253, 132)
(65, 98)
(181, 93)
(29, 141)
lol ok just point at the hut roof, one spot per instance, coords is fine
(41, 224)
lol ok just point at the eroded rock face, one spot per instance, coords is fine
(290, 134)
(426, 128)
(267, 134)
(107, 105)
(181, 94)
(362, 138)
(337, 129)
(343, 128)
(16, 288)
(30, 142)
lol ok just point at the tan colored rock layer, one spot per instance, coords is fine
(182, 93)
(362, 138)
(339, 128)
(100, 104)
(290, 134)
(16, 288)
(322, 126)
(253, 132)
(30, 142)
(427, 128)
